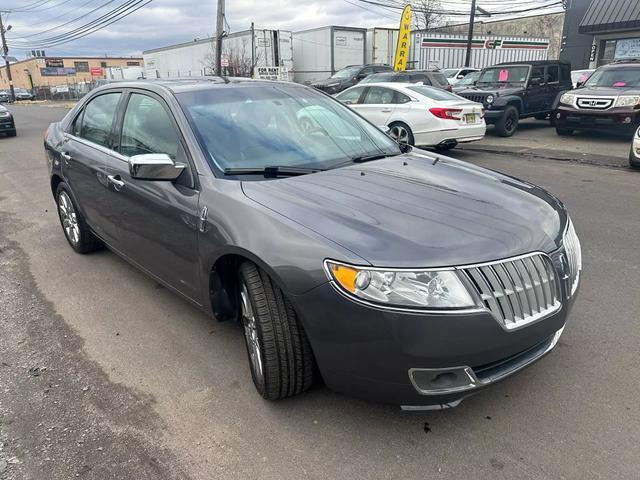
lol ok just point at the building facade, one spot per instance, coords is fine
(575, 47)
(538, 26)
(615, 27)
(52, 72)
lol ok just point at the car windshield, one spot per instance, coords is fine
(470, 78)
(435, 93)
(380, 77)
(450, 72)
(256, 126)
(504, 75)
(615, 77)
(346, 72)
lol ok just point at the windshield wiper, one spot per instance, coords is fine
(375, 156)
(272, 171)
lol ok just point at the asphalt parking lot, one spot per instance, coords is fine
(105, 374)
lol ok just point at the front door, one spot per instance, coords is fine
(84, 156)
(536, 94)
(377, 105)
(157, 221)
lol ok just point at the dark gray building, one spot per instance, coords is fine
(597, 32)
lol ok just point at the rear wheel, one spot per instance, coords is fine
(280, 355)
(401, 133)
(507, 124)
(75, 229)
(634, 162)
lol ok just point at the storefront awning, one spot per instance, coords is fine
(611, 15)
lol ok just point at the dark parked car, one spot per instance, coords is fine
(7, 123)
(405, 277)
(426, 77)
(634, 154)
(4, 96)
(512, 91)
(349, 76)
(608, 100)
(22, 94)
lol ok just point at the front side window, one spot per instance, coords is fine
(255, 126)
(538, 72)
(97, 120)
(350, 96)
(553, 74)
(346, 72)
(147, 128)
(378, 96)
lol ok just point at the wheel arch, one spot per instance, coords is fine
(55, 181)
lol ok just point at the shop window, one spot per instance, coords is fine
(81, 67)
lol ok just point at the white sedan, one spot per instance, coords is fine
(417, 114)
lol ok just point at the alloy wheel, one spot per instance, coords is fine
(69, 218)
(399, 134)
(251, 336)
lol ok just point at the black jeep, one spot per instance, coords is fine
(511, 91)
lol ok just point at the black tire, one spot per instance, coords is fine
(285, 352)
(399, 126)
(507, 124)
(564, 132)
(85, 241)
(633, 162)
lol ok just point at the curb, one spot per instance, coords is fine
(558, 155)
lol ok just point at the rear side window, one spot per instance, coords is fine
(97, 119)
(402, 98)
(147, 128)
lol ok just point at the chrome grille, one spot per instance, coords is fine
(573, 250)
(519, 290)
(595, 103)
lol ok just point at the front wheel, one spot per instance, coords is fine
(401, 133)
(507, 124)
(280, 355)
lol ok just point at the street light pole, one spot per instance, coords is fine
(5, 53)
(219, 35)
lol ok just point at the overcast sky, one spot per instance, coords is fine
(165, 22)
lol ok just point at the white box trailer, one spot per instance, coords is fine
(430, 50)
(320, 52)
(381, 45)
(241, 52)
(124, 73)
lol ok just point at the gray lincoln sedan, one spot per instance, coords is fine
(395, 274)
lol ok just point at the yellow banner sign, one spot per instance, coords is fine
(404, 40)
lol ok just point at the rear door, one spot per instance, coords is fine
(157, 221)
(87, 146)
(377, 105)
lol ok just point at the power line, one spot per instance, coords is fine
(64, 14)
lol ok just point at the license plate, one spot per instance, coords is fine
(470, 118)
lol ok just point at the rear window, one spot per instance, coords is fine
(439, 79)
(434, 93)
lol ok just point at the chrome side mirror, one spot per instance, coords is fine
(154, 166)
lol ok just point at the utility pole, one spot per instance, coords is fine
(219, 35)
(472, 18)
(5, 53)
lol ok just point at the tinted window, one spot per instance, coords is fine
(381, 68)
(378, 96)
(380, 77)
(350, 96)
(402, 98)
(77, 125)
(440, 79)
(538, 72)
(553, 74)
(366, 71)
(98, 118)
(147, 128)
(419, 77)
(435, 93)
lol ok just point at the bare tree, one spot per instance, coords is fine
(550, 26)
(238, 56)
(428, 14)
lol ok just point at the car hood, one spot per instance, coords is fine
(498, 92)
(328, 81)
(417, 210)
(606, 91)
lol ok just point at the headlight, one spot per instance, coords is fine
(428, 289)
(567, 98)
(4, 114)
(490, 99)
(627, 101)
(335, 84)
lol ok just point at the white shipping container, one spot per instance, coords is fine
(430, 50)
(241, 51)
(320, 52)
(381, 45)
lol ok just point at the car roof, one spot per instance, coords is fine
(622, 63)
(533, 62)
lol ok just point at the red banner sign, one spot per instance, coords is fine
(96, 71)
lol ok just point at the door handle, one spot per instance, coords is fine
(66, 157)
(117, 183)
(386, 110)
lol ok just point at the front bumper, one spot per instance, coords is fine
(380, 355)
(7, 124)
(621, 120)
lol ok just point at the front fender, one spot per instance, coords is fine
(501, 103)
